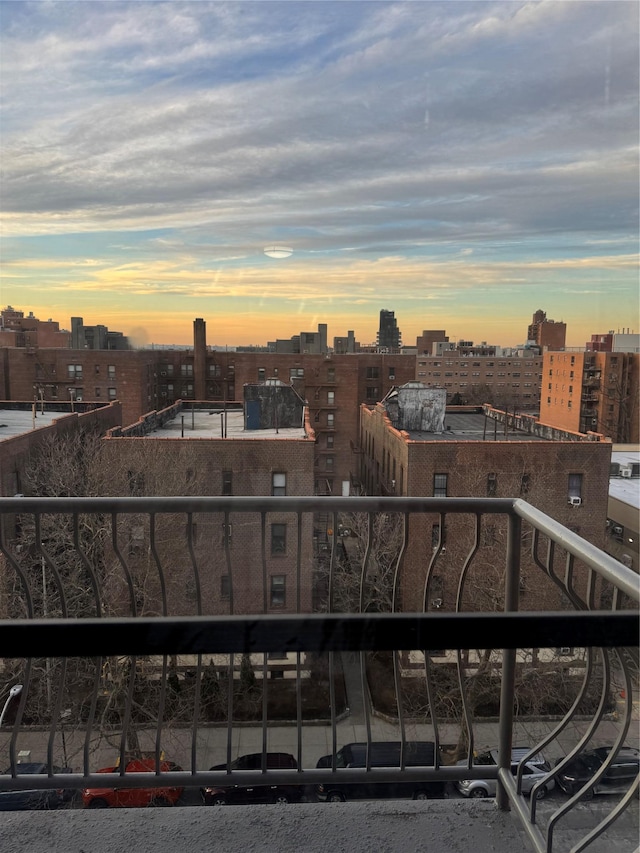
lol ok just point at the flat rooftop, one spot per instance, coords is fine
(208, 423)
(472, 427)
(625, 489)
(16, 422)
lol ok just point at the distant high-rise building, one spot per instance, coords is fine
(547, 334)
(389, 336)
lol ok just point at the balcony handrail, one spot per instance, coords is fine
(99, 638)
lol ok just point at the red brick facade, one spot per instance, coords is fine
(538, 471)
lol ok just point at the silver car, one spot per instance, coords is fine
(534, 770)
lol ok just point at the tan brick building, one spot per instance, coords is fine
(592, 392)
(512, 381)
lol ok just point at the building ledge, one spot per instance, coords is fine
(402, 826)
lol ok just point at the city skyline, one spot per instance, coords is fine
(459, 164)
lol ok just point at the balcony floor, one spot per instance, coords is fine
(401, 826)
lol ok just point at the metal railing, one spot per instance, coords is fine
(102, 595)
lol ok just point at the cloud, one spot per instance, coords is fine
(198, 133)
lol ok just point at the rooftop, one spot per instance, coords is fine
(209, 423)
(472, 427)
(625, 489)
(15, 422)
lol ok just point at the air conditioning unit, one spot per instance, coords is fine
(163, 373)
(437, 603)
(443, 550)
(617, 530)
(626, 471)
(565, 650)
(575, 501)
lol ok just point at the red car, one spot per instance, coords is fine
(104, 798)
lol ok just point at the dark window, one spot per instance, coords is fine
(492, 485)
(372, 394)
(372, 372)
(440, 485)
(392, 373)
(330, 439)
(262, 374)
(525, 484)
(227, 482)
(331, 374)
(278, 589)
(278, 539)
(224, 586)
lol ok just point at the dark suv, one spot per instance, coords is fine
(618, 778)
(220, 795)
(382, 754)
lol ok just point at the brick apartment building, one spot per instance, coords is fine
(460, 454)
(592, 392)
(546, 334)
(150, 380)
(505, 381)
(16, 330)
(257, 449)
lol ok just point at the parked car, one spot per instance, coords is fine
(616, 780)
(102, 798)
(534, 770)
(35, 798)
(220, 795)
(381, 754)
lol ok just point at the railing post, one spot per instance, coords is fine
(507, 688)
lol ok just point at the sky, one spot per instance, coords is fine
(460, 163)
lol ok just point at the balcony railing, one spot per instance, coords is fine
(106, 598)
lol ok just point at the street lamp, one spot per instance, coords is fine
(15, 691)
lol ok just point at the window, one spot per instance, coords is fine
(224, 587)
(372, 372)
(279, 484)
(111, 371)
(440, 485)
(227, 482)
(262, 374)
(278, 539)
(296, 373)
(331, 374)
(329, 463)
(112, 393)
(330, 440)
(39, 369)
(97, 392)
(392, 373)
(136, 482)
(215, 371)
(372, 394)
(331, 398)
(492, 485)
(575, 485)
(187, 389)
(525, 484)
(278, 590)
(74, 371)
(331, 419)
(186, 370)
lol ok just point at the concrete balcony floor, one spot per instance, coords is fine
(401, 826)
